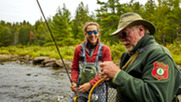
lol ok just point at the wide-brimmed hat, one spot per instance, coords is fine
(129, 19)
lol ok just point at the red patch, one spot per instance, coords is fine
(160, 70)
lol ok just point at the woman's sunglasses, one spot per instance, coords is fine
(90, 32)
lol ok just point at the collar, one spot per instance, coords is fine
(146, 40)
(89, 46)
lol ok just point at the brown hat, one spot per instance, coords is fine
(129, 19)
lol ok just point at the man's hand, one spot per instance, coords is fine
(85, 87)
(108, 69)
(102, 75)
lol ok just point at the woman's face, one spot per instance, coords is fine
(92, 34)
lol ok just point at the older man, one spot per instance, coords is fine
(147, 70)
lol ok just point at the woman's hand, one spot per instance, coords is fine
(73, 86)
(85, 87)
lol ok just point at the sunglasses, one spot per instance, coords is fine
(90, 32)
(123, 35)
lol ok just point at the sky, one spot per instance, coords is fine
(19, 10)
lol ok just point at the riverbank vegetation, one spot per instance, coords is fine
(24, 38)
(68, 51)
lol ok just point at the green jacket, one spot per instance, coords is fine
(152, 77)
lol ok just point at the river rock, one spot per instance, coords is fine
(5, 58)
(51, 62)
(68, 63)
(38, 60)
(48, 60)
(58, 64)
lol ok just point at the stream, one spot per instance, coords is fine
(30, 83)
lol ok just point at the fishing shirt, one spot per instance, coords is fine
(106, 56)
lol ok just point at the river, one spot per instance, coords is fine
(29, 83)
(32, 83)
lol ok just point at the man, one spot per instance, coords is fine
(147, 71)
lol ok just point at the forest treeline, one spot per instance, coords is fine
(68, 30)
(166, 16)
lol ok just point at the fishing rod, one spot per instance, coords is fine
(54, 41)
(75, 99)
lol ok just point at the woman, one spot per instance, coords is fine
(86, 60)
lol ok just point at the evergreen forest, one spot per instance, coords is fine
(68, 31)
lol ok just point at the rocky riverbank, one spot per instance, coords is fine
(43, 61)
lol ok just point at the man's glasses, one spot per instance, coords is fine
(122, 35)
(90, 32)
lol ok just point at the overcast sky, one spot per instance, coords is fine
(19, 10)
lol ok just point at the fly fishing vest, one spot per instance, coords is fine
(87, 70)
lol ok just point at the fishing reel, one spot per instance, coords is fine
(75, 99)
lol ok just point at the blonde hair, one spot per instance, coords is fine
(90, 24)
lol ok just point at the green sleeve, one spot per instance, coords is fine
(148, 88)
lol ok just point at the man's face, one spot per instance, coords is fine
(130, 36)
(93, 35)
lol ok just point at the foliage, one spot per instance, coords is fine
(117, 50)
(175, 50)
(67, 51)
(165, 16)
(68, 30)
(35, 51)
(24, 35)
(81, 17)
(41, 33)
(6, 37)
(61, 25)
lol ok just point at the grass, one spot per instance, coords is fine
(175, 50)
(68, 51)
(35, 51)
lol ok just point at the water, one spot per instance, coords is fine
(28, 83)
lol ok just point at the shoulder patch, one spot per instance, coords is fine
(160, 70)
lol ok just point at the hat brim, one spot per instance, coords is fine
(146, 23)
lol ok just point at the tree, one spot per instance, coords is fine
(6, 37)
(177, 21)
(61, 26)
(166, 21)
(24, 33)
(81, 17)
(42, 36)
(14, 31)
(108, 17)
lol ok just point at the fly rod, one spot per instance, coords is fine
(54, 41)
(76, 99)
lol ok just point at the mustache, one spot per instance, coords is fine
(125, 42)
